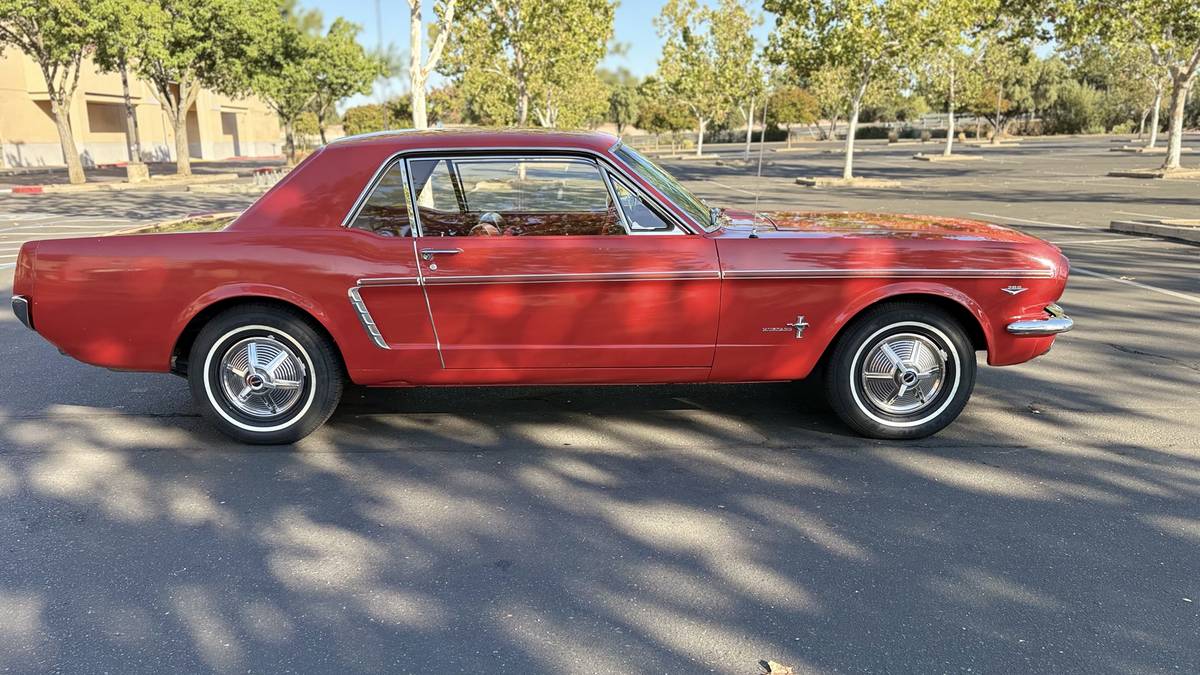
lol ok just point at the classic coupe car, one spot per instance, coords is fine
(519, 257)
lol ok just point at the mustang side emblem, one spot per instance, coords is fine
(1014, 290)
(798, 326)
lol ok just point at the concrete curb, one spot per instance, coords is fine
(943, 158)
(190, 216)
(120, 186)
(1158, 228)
(1177, 174)
(827, 181)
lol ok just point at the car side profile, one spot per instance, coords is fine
(522, 257)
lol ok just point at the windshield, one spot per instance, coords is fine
(666, 184)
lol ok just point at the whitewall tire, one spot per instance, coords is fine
(901, 370)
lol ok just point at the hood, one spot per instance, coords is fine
(861, 224)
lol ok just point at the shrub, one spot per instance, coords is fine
(1078, 110)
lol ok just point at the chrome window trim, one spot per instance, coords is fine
(618, 168)
(356, 207)
(701, 228)
(675, 229)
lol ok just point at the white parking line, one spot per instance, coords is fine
(7, 266)
(1130, 282)
(730, 187)
(1034, 222)
(1122, 240)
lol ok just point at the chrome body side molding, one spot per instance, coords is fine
(888, 273)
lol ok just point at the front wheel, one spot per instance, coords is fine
(264, 375)
(901, 371)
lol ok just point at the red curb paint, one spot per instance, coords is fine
(27, 189)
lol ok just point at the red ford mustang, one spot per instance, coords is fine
(518, 257)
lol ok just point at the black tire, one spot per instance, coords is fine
(912, 388)
(282, 409)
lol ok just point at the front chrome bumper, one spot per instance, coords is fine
(20, 307)
(1056, 322)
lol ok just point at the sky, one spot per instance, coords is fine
(633, 28)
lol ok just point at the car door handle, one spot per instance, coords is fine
(428, 253)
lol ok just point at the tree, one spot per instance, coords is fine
(1132, 84)
(706, 57)
(659, 112)
(120, 23)
(364, 119)
(951, 75)
(286, 79)
(56, 35)
(869, 38)
(1008, 67)
(1169, 30)
(790, 105)
(535, 57)
(623, 105)
(341, 68)
(418, 72)
(189, 44)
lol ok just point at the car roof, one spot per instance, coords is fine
(475, 137)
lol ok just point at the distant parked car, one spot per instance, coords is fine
(519, 257)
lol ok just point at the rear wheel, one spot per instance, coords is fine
(902, 370)
(264, 375)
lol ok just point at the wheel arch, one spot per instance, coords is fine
(959, 306)
(206, 308)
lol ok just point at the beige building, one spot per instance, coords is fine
(219, 127)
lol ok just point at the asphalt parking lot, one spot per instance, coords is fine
(1053, 528)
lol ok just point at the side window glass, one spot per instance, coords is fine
(386, 212)
(641, 218)
(513, 197)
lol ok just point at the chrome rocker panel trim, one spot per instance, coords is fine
(1057, 322)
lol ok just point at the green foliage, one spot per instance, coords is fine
(447, 105)
(659, 111)
(340, 68)
(792, 105)
(362, 119)
(516, 58)
(707, 63)
(624, 105)
(1077, 109)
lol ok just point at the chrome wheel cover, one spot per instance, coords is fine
(261, 377)
(903, 373)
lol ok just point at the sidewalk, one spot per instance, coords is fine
(28, 179)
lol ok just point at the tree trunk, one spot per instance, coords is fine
(1181, 87)
(999, 102)
(70, 152)
(852, 129)
(1142, 124)
(702, 123)
(321, 131)
(1158, 92)
(183, 160)
(416, 76)
(132, 137)
(950, 118)
(789, 134)
(289, 135)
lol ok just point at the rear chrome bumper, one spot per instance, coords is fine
(1056, 322)
(20, 307)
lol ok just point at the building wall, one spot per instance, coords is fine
(219, 127)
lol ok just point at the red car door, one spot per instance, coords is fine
(529, 262)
